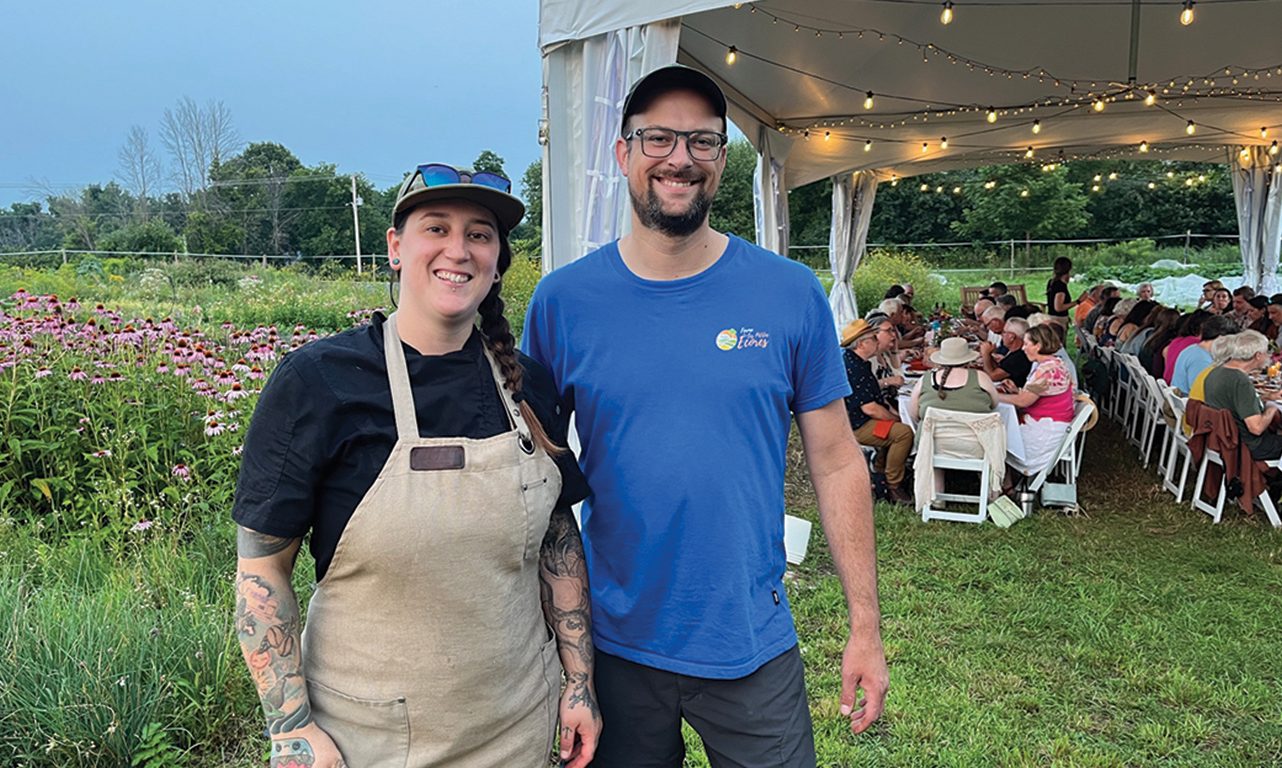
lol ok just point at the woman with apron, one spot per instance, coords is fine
(451, 587)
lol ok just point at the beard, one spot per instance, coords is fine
(683, 224)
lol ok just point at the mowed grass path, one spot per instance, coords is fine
(1133, 634)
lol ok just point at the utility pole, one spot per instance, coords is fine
(356, 223)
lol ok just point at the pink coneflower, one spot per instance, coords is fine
(42, 372)
(77, 374)
(73, 304)
(97, 380)
(141, 526)
(181, 470)
(105, 452)
(256, 373)
(181, 370)
(213, 427)
(162, 368)
(236, 392)
(213, 416)
(241, 366)
(115, 376)
(225, 377)
(238, 450)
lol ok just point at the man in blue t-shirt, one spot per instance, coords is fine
(684, 354)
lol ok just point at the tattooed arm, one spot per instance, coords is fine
(563, 587)
(268, 627)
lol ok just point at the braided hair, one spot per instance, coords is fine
(500, 341)
(939, 379)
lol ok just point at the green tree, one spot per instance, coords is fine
(150, 236)
(487, 161)
(1027, 202)
(531, 227)
(732, 212)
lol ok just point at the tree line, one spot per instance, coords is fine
(202, 190)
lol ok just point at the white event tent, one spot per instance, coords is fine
(869, 91)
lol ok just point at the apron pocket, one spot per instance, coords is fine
(552, 674)
(371, 733)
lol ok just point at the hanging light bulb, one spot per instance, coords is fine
(1264, 133)
(1244, 154)
(1023, 193)
(1191, 128)
(827, 135)
(1094, 187)
(1028, 153)
(1170, 174)
(1112, 176)
(925, 147)
(989, 184)
(1273, 149)
(956, 190)
(992, 115)
(1143, 146)
(732, 54)
(1201, 177)
(1186, 15)
(1098, 177)
(894, 180)
(1150, 99)
(943, 143)
(1151, 185)
(868, 145)
(1037, 126)
(939, 189)
(925, 187)
(1098, 105)
(946, 16)
(868, 101)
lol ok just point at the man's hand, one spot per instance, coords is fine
(893, 381)
(307, 747)
(580, 726)
(986, 348)
(863, 665)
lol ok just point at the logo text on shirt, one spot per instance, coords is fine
(743, 338)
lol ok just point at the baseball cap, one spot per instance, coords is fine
(506, 207)
(675, 77)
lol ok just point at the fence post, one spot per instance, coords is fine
(64, 255)
(1012, 259)
(1188, 234)
(264, 261)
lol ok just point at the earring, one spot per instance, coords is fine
(396, 262)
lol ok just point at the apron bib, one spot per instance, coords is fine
(425, 643)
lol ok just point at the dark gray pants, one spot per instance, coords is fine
(758, 721)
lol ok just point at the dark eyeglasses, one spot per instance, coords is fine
(436, 174)
(660, 142)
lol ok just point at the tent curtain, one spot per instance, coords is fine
(1257, 192)
(852, 199)
(585, 198)
(769, 195)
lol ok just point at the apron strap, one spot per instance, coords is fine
(513, 410)
(399, 378)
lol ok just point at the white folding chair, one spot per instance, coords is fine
(1114, 394)
(1176, 447)
(967, 464)
(1154, 416)
(1062, 491)
(1216, 509)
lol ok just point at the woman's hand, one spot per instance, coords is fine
(307, 747)
(580, 725)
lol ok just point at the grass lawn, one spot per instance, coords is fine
(1135, 633)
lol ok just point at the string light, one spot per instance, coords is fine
(1094, 187)
(731, 55)
(956, 190)
(992, 115)
(1191, 128)
(924, 147)
(1098, 105)
(1151, 185)
(943, 143)
(1029, 152)
(1273, 149)
(1143, 146)
(1098, 178)
(1245, 154)
(1112, 176)
(989, 184)
(946, 16)
(925, 187)
(1264, 133)
(1037, 126)
(1150, 99)
(1186, 15)
(939, 189)
(868, 145)
(1023, 193)
(827, 135)
(868, 101)
(894, 180)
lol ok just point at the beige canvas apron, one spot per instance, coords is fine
(425, 643)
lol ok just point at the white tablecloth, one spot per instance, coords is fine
(1010, 420)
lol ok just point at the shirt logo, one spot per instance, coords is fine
(742, 338)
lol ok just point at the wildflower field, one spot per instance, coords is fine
(1134, 634)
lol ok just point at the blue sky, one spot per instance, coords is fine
(372, 86)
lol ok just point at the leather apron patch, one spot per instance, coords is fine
(425, 458)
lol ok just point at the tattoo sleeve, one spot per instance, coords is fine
(563, 587)
(268, 628)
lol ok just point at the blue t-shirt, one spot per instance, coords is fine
(1192, 361)
(683, 392)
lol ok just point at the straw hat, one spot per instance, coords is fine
(856, 330)
(954, 351)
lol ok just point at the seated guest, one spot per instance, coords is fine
(1257, 315)
(1221, 302)
(951, 385)
(1106, 292)
(1188, 331)
(997, 290)
(1150, 355)
(1194, 359)
(1141, 316)
(1229, 387)
(981, 306)
(1041, 318)
(1089, 301)
(886, 364)
(909, 336)
(1206, 300)
(1241, 303)
(1014, 365)
(1046, 401)
(994, 320)
(1144, 292)
(1220, 349)
(1275, 318)
(874, 421)
(1112, 324)
(1023, 312)
(1006, 302)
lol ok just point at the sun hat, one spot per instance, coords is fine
(506, 207)
(856, 330)
(675, 77)
(954, 351)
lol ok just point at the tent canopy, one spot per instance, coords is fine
(805, 67)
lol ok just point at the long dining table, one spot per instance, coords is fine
(1010, 419)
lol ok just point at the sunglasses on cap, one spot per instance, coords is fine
(437, 174)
